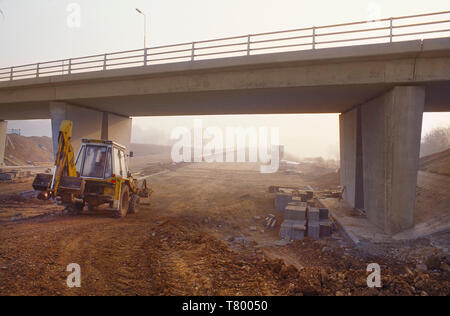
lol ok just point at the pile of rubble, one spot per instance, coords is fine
(302, 217)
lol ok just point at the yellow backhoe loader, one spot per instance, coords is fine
(98, 176)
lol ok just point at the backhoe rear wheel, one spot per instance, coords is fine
(134, 204)
(74, 209)
(124, 203)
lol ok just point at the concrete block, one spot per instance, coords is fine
(323, 214)
(295, 212)
(282, 200)
(313, 215)
(314, 230)
(325, 229)
(301, 204)
(293, 230)
(5, 176)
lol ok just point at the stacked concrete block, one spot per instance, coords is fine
(295, 212)
(282, 200)
(325, 223)
(313, 223)
(301, 204)
(324, 214)
(306, 195)
(293, 229)
(325, 229)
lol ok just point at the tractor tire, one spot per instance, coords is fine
(74, 209)
(124, 204)
(134, 204)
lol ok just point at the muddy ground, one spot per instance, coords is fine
(204, 235)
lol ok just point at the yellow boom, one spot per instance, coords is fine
(65, 159)
(64, 182)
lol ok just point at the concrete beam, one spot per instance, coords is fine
(351, 176)
(3, 132)
(391, 131)
(329, 80)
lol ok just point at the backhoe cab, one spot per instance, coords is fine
(99, 175)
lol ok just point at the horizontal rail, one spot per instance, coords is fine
(302, 38)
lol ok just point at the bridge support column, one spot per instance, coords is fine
(89, 123)
(3, 131)
(116, 128)
(391, 130)
(351, 157)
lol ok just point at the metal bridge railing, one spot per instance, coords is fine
(421, 26)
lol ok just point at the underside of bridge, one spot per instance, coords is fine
(379, 145)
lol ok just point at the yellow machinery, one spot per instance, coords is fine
(98, 176)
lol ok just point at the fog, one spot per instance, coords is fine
(303, 135)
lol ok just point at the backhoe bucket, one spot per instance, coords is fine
(42, 182)
(74, 185)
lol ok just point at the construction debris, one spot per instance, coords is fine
(270, 222)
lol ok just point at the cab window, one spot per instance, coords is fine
(117, 166)
(123, 163)
(94, 162)
(108, 169)
(80, 157)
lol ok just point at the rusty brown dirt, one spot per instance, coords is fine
(197, 238)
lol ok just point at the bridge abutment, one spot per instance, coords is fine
(89, 123)
(3, 132)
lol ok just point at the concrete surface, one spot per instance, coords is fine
(356, 227)
(351, 157)
(391, 131)
(3, 132)
(330, 80)
(89, 124)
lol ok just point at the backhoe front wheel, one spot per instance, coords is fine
(134, 204)
(124, 203)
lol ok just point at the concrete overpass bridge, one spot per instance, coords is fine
(380, 89)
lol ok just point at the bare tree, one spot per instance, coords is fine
(435, 141)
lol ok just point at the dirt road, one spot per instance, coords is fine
(198, 238)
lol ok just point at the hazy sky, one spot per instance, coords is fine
(37, 30)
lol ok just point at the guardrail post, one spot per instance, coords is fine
(390, 30)
(193, 51)
(314, 37)
(248, 45)
(104, 61)
(37, 70)
(11, 74)
(145, 56)
(70, 66)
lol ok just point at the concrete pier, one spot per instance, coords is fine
(3, 131)
(391, 131)
(89, 123)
